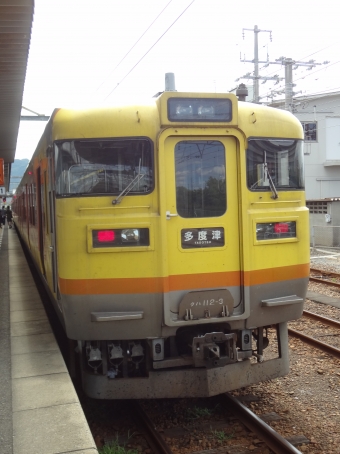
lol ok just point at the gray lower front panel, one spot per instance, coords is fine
(261, 315)
(193, 382)
(84, 316)
(81, 323)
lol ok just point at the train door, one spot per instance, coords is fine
(26, 217)
(41, 224)
(200, 215)
(52, 221)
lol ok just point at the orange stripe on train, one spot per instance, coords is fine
(284, 273)
(181, 282)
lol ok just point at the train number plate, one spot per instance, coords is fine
(206, 304)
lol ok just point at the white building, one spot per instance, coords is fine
(320, 118)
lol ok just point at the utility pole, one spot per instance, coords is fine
(288, 84)
(288, 63)
(256, 61)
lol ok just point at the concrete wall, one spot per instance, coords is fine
(325, 226)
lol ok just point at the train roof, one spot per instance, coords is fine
(148, 118)
(259, 120)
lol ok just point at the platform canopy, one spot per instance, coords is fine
(16, 17)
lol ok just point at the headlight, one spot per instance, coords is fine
(130, 235)
(120, 237)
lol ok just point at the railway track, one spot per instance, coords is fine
(273, 440)
(153, 437)
(315, 342)
(323, 277)
(255, 424)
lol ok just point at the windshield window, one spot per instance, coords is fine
(200, 179)
(103, 166)
(281, 158)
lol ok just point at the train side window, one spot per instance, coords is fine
(94, 167)
(281, 158)
(200, 178)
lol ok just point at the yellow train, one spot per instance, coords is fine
(170, 236)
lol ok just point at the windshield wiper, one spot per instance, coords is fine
(128, 188)
(271, 182)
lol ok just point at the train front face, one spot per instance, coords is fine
(170, 285)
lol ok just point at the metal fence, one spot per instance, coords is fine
(325, 236)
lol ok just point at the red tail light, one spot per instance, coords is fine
(275, 230)
(281, 227)
(105, 236)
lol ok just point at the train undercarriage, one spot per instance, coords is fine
(192, 364)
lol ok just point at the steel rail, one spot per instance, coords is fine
(315, 343)
(328, 273)
(324, 281)
(320, 318)
(153, 436)
(273, 440)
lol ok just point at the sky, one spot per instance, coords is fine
(87, 53)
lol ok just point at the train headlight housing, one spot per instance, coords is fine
(120, 237)
(275, 230)
(130, 235)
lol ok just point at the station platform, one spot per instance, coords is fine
(323, 299)
(39, 409)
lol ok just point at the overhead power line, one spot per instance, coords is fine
(127, 53)
(146, 53)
